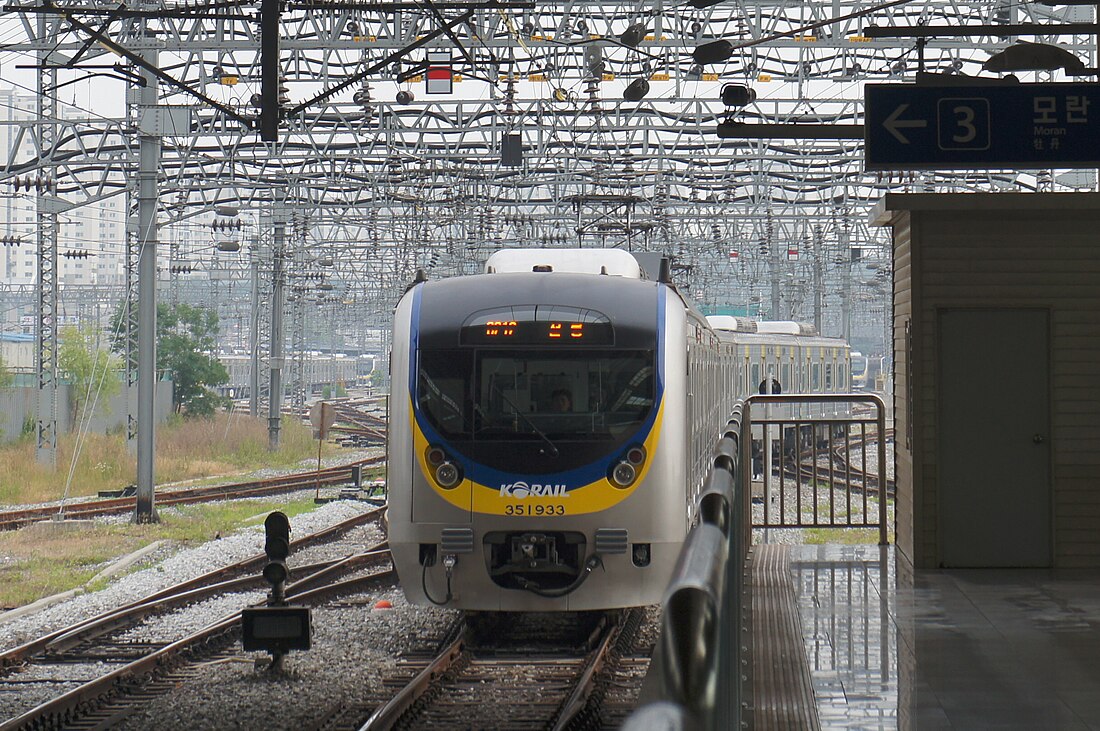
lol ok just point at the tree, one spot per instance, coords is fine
(186, 342)
(6, 376)
(90, 366)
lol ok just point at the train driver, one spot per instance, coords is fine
(561, 401)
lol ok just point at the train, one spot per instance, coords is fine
(859, 371)
(552, 421)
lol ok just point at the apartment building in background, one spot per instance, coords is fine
(91, 238)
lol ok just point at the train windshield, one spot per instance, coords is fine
(595, 399)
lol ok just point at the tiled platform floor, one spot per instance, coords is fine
(961, 649)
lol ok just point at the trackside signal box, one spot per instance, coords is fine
(276, 628)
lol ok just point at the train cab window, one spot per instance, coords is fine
(441, 391)
(506, 395)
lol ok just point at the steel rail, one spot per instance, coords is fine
(11, 519)
(861, 479)
(603, 639)
(578, 699)
(386, 715)
(183, 591)
(64, 708)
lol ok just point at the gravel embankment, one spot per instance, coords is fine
(170, 565)
(354, 645)
(354, 648)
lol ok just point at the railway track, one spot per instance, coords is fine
(363, 425)
(527, 672)
(136, 670)
(237, 576)
(11, 519)
(835, 466)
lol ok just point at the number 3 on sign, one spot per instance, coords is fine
(963, 124)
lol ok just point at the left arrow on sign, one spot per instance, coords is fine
(894, 125)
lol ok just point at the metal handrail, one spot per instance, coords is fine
(830, 398)
(699, 676)
(699, 649)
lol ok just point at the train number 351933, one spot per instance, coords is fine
(534, 509)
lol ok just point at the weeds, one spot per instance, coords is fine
(186, 449)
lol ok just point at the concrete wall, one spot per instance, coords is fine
(18, 404)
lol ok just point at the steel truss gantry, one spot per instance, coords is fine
(392, 188)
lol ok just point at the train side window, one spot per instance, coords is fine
(816, 377)
(828, 376)
(755, 373)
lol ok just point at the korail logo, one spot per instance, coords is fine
(521, 490)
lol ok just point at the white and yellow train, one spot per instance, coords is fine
(551, 424)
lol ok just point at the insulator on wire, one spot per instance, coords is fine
(35, 183)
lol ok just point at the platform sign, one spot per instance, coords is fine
(912, 127)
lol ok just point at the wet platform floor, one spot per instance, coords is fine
(889, 647)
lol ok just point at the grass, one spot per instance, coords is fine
(849, 536)
(40, 561)
(186, 449)
(840, 535)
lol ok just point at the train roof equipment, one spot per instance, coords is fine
(612, 262)
(786, 327)
(730, 323)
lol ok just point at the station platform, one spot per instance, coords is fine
(887, 647)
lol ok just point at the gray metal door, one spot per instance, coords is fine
(994, 438)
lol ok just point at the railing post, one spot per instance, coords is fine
(880, 405)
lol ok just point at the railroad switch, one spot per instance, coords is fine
(128, 491)
(278, 627)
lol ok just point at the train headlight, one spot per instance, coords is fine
(435, 456)
(624, 474)
(447, 475)
(445, 472)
